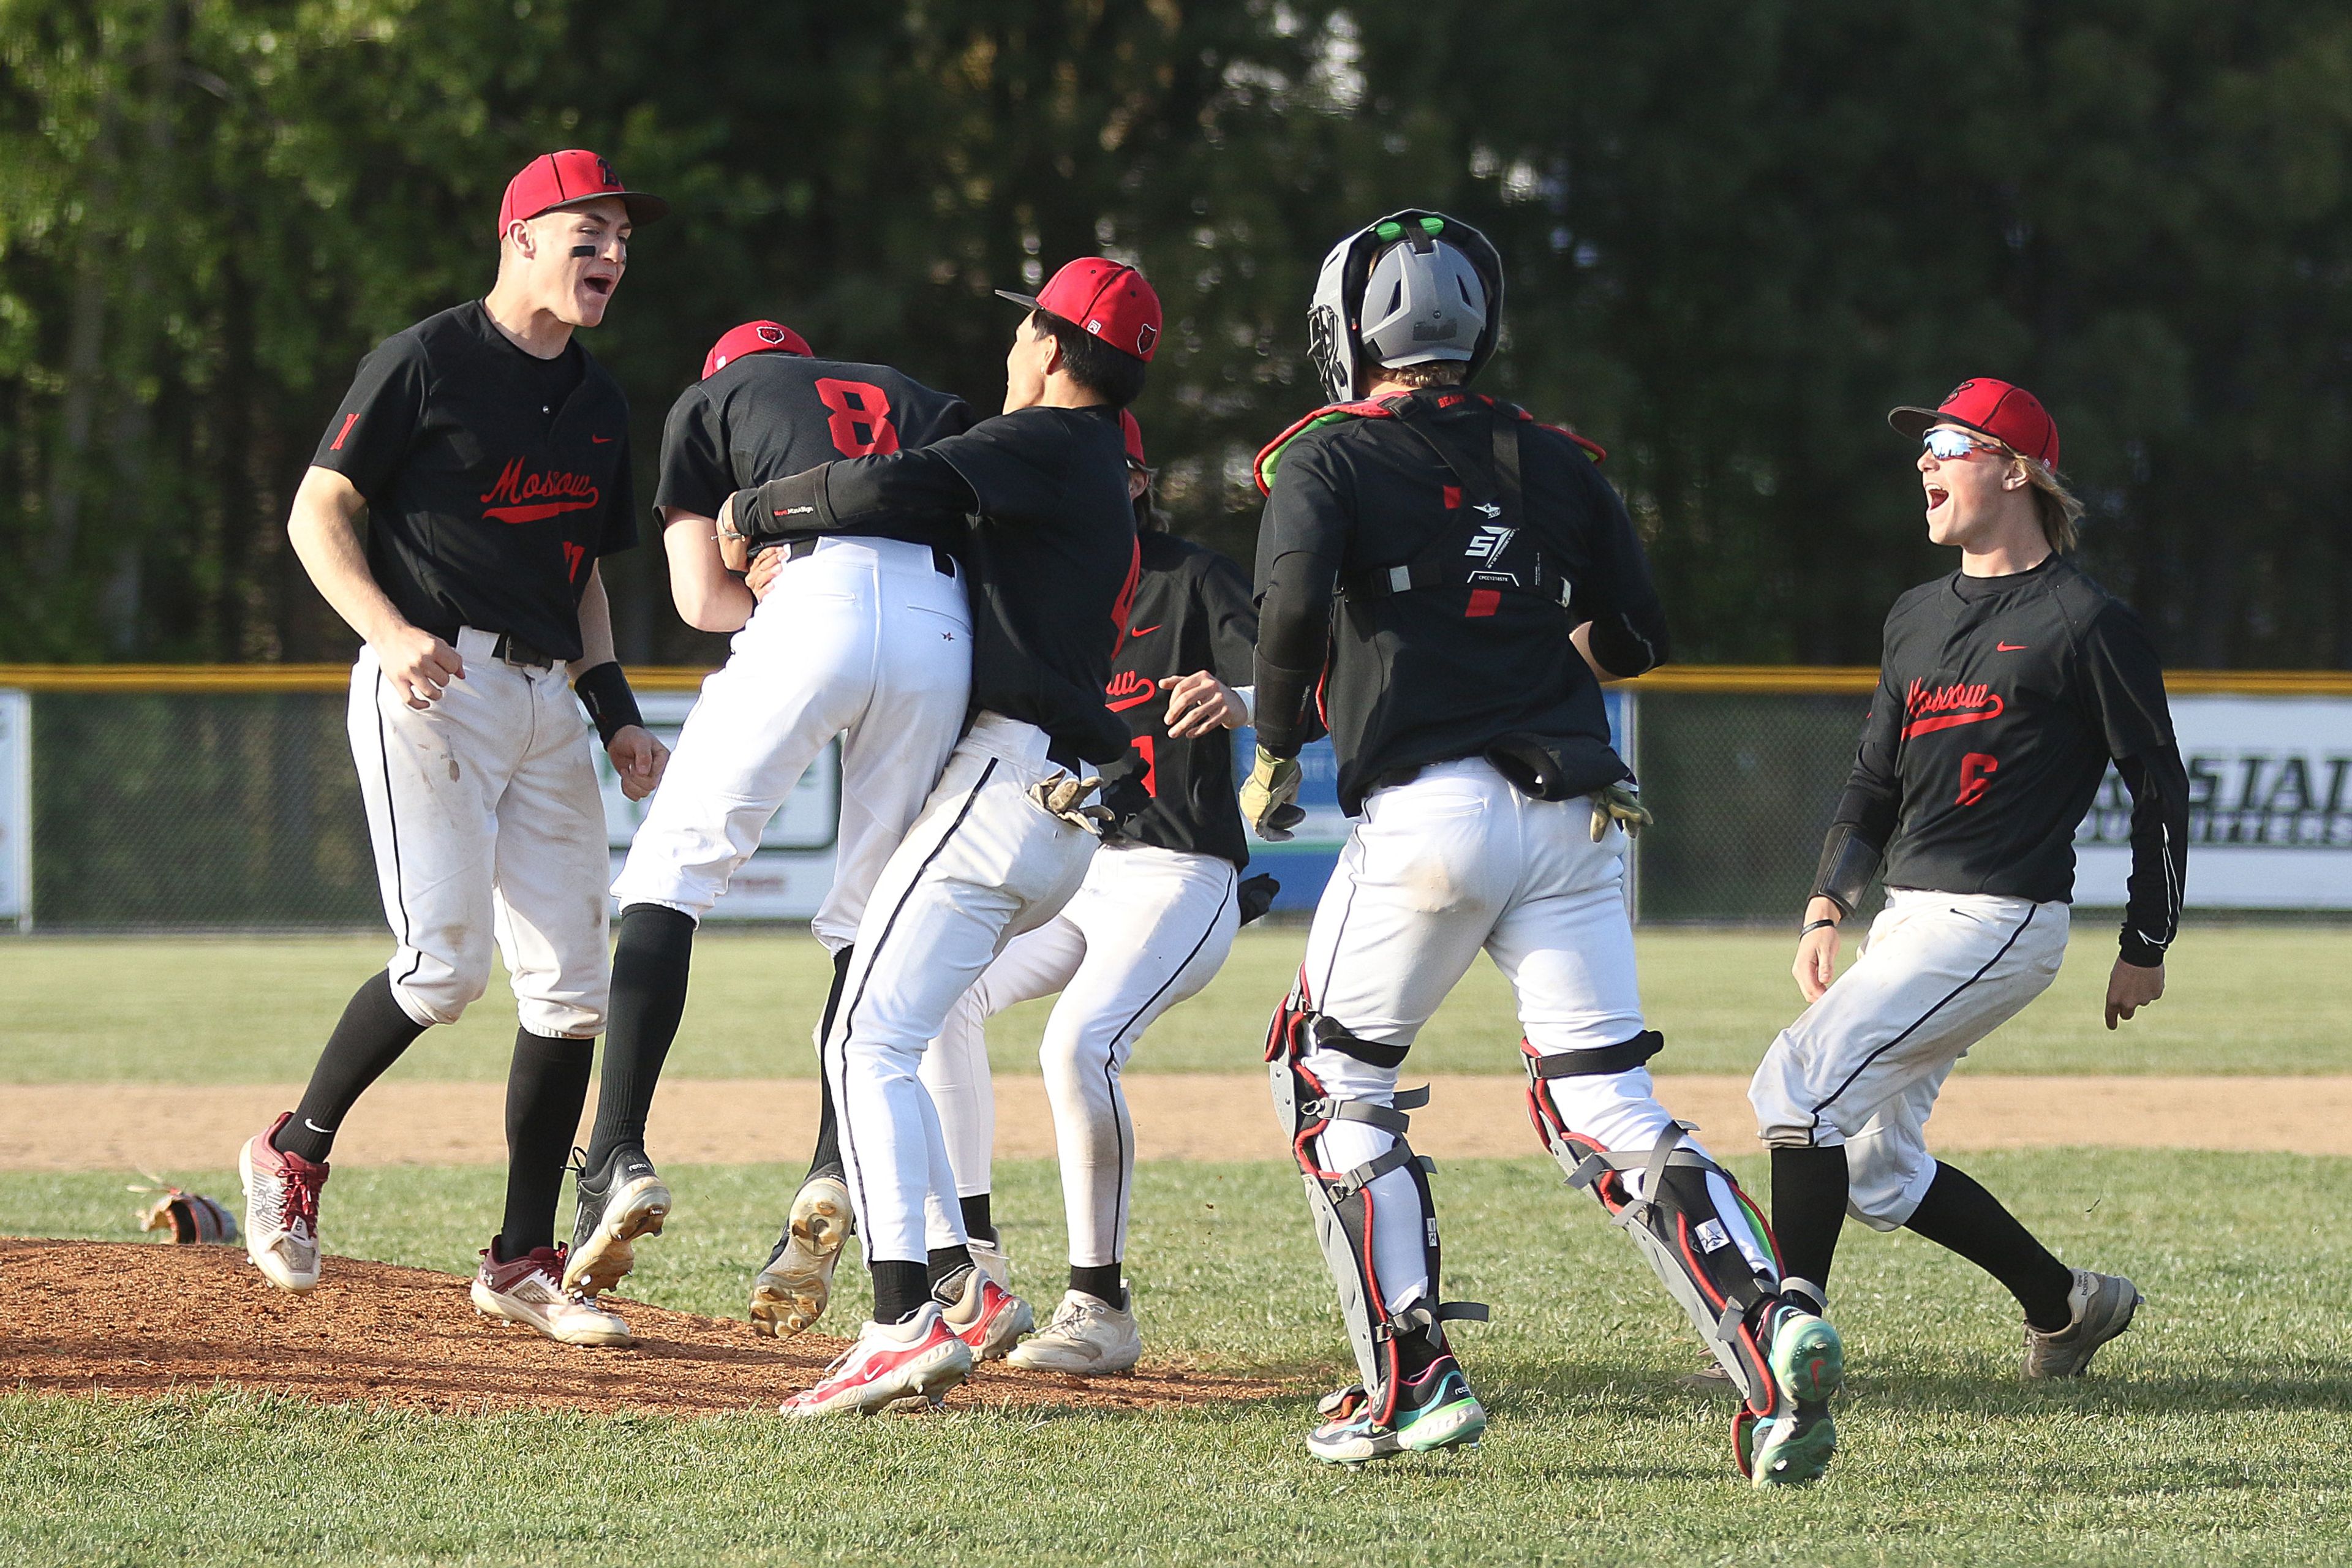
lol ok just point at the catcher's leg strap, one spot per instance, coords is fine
(1343, 1206)
(1674, 1222)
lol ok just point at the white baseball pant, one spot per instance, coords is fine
(861, 635)
(487, 826)
(1450, 862)
(982, 865)
(1146, 930)
(1863, 1066)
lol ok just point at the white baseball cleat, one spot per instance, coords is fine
(790, 1293)
(1087, 1338)
(988, 1316)
(2101, 1305)
(530, 1290)
(281, 1210)
(919, 1360)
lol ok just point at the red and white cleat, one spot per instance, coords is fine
(920, 1359)
(988, 1316)
(530, 1290)
(281, 1210)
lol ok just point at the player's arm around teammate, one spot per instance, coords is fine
(492, 455)
(1426, 559)
(2004, 691)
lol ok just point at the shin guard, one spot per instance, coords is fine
(1674, 1219)
(1341, 1202)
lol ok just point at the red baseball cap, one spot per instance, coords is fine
(566, 179)
(1133, 432)
(753, 338)
(1106, 297)
(2008, 414)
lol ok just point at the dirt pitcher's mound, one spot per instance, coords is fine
(131, 1317)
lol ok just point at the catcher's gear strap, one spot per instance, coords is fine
(1623, 1057)
(1675, 1225)
(1848, 863)
(1269, 457)
(1343, 1205)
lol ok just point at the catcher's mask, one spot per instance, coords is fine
(1439, 296)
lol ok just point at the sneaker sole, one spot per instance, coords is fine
(1799, 1460)
(493, 1308)
(272, 1270)
(791, 1294)
(925, 1380)
(1453, 1426)
(639, 1208)
(1813, 1366)
(1036, 1355)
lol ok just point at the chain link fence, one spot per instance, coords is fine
(239, 810)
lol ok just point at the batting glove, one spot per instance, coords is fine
(1064, 796)
(1621, 804)
(1268, 797)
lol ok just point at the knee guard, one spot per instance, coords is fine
(1341, 1201)
(1674, 1222)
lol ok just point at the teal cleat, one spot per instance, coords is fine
(1435, 1410)
(1807, 1362)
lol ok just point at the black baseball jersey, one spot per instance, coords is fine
(1051, 547)
(1192, 612)
(765, 416)
(1444, 671)
(2000, 701)
(494, 478)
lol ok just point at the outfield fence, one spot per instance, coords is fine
(224, 797)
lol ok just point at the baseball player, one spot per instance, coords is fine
(1150, 926)
(1004, 840)
(2004, 689)
(491, 453)
(864, 633)
(1442, 579)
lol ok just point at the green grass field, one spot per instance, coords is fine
(2247, 999)
(2217, 1431)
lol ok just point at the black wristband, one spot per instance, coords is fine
(612, 706)
(1810, 927)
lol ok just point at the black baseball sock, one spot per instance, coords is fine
(1958, 1213)
(944, 1273)
(546, 1087)
(900, 1290)
(976, 1223)
(649, 972)
(1100, 1280)
(1808, 1195)
(826, 1162)
(368, 1038)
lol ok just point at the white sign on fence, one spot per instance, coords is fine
(790, 874)
(2270, 807)
(16, 806)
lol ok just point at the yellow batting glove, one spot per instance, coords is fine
(1269, 795)
(1619, 802)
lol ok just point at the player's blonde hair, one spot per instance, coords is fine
(2059, 509)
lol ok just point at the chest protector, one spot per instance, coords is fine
(1481, 542)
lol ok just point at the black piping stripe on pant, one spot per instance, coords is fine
(1339, 934)
(1864, 1064)
(848, 1019)
(392, 825)
(1110, 1062)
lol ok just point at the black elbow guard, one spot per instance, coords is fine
(1848, 863)
(612, 706)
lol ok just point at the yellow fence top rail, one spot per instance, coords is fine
(1787, 680)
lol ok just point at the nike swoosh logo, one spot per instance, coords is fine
(314, 1126)
(2009, 648)
(1145, 631)
(601, 440)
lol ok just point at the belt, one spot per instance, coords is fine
(802, 548)
(512, 649)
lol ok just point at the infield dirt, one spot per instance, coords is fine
(140, 1320)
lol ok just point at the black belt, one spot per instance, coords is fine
(802, 548)
(512, 649)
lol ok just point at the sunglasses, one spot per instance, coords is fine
(1946, 443)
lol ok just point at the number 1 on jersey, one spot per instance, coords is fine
(855, 405)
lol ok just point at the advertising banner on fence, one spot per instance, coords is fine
(2270, 807)
(15, 805)
(787, 877)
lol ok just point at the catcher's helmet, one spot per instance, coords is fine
(1414, 287)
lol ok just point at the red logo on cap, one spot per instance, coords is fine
(753, 338)
(1110, 299)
